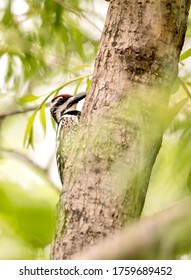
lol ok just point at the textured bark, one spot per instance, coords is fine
(107, 175)
(165, 235)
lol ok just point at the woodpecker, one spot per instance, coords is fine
(63, 110)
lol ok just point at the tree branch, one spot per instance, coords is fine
(23, 111)
(162, 236)
(16, 112)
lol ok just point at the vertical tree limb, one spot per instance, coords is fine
(107, 175)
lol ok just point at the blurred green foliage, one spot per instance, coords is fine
(45, 46)
(45, 39)
(27, 203)
(48, 46)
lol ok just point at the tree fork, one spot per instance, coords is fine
(107, 175)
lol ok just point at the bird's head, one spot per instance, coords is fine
(64, 104)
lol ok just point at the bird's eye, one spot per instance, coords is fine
(60, 101)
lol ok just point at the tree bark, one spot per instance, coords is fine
(165, 235)
(107, 175)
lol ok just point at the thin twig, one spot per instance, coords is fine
(19, 111)
(4, 115)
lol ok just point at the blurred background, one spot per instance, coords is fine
(47, 47)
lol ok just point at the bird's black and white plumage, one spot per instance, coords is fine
(63, 110)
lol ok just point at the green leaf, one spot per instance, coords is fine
(79, 67)
(30, 142)
(184, 87)
(56, 93)
(28, 136)
(185, 55)
(28, 98)
(43, 117)
(53, 122)
(78, 85)
(88, 83)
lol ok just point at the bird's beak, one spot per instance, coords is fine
(79, 97)
(76, 99)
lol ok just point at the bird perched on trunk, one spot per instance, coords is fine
(63, 110)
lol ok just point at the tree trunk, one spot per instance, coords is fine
(107, 175)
